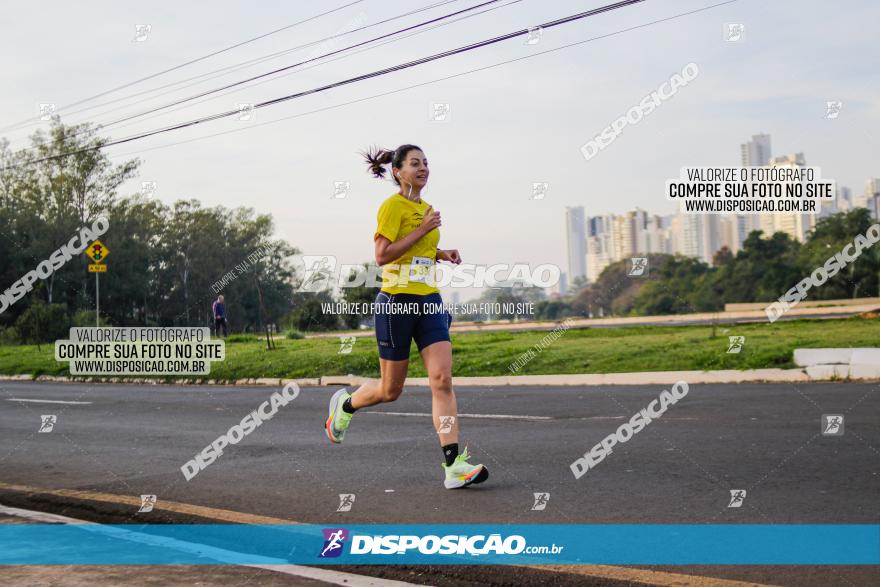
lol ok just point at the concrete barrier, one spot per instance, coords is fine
(859, 363)
(739, 307)
(810, 357)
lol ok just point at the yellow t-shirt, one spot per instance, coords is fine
(412, 273)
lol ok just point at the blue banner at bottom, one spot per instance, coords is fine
(621, 544)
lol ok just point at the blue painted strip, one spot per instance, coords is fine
(621, 544)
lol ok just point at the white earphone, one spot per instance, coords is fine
(404, 181)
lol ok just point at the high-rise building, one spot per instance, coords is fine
(795, 224)
(844, 200)
(729, 235)
(745, 224)
(711, 236)
(687, 231)
(654, 236)
(872, 197)
(754, 153)
(626, 227)
(576, 241)
(600, 244)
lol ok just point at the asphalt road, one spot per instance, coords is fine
(764, 438)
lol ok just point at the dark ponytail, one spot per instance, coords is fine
(377, 158)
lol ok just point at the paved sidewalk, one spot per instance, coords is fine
(802, 375)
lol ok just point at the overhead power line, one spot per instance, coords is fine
(190, 62)
(429, 82)
(389, 38)
(370, 75)
(324, 62)
(220, 72)
(292, 66)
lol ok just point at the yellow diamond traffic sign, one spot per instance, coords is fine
(97, 252)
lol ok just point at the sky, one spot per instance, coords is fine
(510, 126)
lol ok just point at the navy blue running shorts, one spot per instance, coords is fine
(400, 318)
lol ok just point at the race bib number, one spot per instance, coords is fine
(420, 268)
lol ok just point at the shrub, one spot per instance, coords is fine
(242, 338)
(43, 322)
(9, 336)
(85, 318)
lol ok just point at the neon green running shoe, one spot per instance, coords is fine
(461, 473)
(338, 420)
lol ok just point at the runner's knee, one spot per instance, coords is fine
(441, 381)
(391, 391)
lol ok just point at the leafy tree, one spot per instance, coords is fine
(308, 315)
(43, 322)
(830, 236)
(361, 294)
(763, 269)
(671, 291)
(547, 310)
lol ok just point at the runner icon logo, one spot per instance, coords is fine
(734, 32)
(319, 271)
(832, 109)
(47, 423)
(832, 424)
(539, 189)
(141, 32)
(346, 500)
(541, 500)
(639, 266)
(346, 343)
(737, 497)
(736, 344)
(440, 112)
(535, 33)
(340, 189)
(333, 542)
(147, 503)
(47, 109)
(446, 424)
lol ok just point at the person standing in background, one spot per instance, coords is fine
(219, 310)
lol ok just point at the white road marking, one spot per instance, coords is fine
(41, 517)
(334, 577)
(490, 416)
(45, 401)
(325, 575)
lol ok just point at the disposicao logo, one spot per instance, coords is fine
(333, 542)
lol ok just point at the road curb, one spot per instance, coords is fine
(804, 375)
(643, 378)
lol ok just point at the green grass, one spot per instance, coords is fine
(594, 350)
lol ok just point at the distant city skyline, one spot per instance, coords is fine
(610, 238)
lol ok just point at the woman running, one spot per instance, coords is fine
(406, 247)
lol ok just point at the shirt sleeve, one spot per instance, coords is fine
(388, 221)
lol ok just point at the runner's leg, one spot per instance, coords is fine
(386, 389)
(438, 364)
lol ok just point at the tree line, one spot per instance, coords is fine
(163, 260)
(168, 262)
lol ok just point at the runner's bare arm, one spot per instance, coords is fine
(387, 251)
